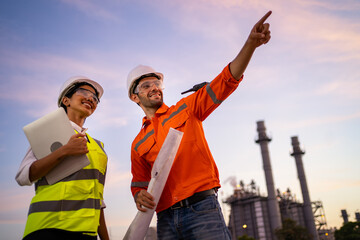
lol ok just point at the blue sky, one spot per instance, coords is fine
(305, 82)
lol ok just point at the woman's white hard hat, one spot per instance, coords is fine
(137, 73)
(78, 79)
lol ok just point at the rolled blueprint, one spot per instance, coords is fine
(159, 174)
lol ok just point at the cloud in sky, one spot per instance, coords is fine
(17, 204)
(93, 9)
(37, 61)
(323, 29)
(32, 86)
(117, 178)
(305, 81)
(347, 5)
(331, 119)
(349, 89)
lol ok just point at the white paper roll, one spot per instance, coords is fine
(159, 174)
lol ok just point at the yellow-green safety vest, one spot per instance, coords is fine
(73, 203)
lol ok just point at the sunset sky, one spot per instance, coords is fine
(305, 82)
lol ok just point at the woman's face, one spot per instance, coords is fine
(84, 101)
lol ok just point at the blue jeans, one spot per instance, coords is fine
(202, 220)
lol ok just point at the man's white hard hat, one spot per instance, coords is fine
(137, 73)
(78, 79)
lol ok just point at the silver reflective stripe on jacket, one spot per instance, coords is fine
(182, 107)
(139, 184)
(212, 95)
(144, 139)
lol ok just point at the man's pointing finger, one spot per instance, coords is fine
(263, 19)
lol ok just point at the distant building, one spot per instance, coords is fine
(290, 208)
(249, 213)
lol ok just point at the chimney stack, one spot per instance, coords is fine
(345, 216)
(308, 213)
(357, 216)
(273, 205)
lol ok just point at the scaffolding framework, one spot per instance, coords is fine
(319, 215)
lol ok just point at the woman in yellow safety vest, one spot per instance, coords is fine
(73, 207)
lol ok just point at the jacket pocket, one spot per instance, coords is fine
(177, 119)
(148, 149)
(183, 123)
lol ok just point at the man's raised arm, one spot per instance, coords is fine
(259, 35)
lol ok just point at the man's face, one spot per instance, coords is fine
(149, 92)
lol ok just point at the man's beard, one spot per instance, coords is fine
(149, 103)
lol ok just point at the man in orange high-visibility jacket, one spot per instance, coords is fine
(188, 207)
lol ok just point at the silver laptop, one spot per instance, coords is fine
(49, 133)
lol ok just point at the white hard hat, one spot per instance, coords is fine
(78, 79)
(137, 73)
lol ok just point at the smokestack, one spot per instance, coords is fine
(273, 205)
(308, 213)
(344, 216)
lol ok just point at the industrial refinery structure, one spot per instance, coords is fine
(259, 216)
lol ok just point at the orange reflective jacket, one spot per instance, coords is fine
(194, 168)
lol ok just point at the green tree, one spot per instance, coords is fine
(349, 231)
(245, 237)
(291, 231)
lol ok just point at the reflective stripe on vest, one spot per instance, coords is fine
(82, 174)
(72, 204)
(99, 143)
(64, 205)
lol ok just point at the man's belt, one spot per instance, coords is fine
(197, 197)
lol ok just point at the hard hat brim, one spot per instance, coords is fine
(136, 81)
(78, 79)
(137, 73)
